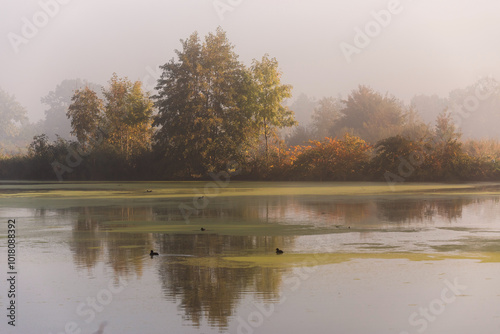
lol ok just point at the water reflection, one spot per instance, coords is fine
(210, 291)
(206, 292)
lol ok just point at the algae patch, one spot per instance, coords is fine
(311, 260)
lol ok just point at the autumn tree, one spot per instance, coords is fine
(204, 111)
(332, 159)
(447, 159)
(85, 113)
(371, 115)
(398, 158)
(270, 94)
(128, 114)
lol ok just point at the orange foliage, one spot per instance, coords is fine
(330, 159)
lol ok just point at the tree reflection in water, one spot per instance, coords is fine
(214, 291)
(204, 290)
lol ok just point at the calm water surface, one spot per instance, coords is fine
(77, 271)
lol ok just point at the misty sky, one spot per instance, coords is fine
(424, 47)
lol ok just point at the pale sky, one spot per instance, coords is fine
(422, 47)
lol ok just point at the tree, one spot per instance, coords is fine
(85, 113)
(270, 112)
(398, 158)
(12, 118)
(446, 131)
(127, 116)
(204, 110)
(447, 160)
(370, 115)
(58, 101)
(40, 146)
(325, 116)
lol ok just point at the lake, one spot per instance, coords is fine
(358, 257)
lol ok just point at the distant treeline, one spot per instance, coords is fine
(213, 116)
(350, 158)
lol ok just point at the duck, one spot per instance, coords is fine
(202, 229)
(149, 190)
(279, 251)
(153, 253)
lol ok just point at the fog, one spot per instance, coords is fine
(408, 48)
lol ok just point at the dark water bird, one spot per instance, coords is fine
(279, 251)
(202, 229)
(149, 190)
(153, 253)
(201, 197)
(101, 328)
